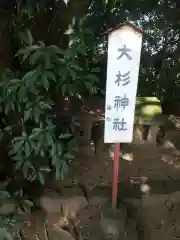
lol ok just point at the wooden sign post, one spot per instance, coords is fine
(124, 50)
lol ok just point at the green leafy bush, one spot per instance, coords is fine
(28, 103)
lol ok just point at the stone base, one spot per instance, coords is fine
(113, 222)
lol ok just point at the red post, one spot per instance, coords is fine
(115, 176)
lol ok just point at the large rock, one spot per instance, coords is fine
(131, 231)
(113, 222)
(42, 227)
(97, 201)
(172, 139)
(7, 207)
(153, 222)
(54, 203)
(55, 232)
(154, 200)
(174, 198)
(61, 213)
(170, 150)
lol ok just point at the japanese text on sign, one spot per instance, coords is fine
(124, 49)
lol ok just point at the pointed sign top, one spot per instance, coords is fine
(130, 24)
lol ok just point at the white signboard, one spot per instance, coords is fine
(124, 50)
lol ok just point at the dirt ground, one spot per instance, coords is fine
(148, 191)
(153, 171)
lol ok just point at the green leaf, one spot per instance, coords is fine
(53, 151)
(92, 78)
(36, 114)
(15, 82)
(48, 64)
(5, 235)
(73, 146)
(72, 74)
(37, 130)
(49, 138)
(35, 135)
(10, 106)
(33, 176)
(59, 149)
(19, 164)
(76, 67)
(22, 92)
(27, 149)
(64, 136)
(26, 205)
(27, 50)
(95, 70)
(30, 38)
(26, 167)
(23, 53)
(63, 89)
(88, 85)
(45, 82)
(42, 153)
(4, 195)
(41, 178)
(54, 160)
(24, 134)
(29, 203)
(35, 57)
(8, 129)
(50, 75)
(28, 114)
(45, 169)
(30, 77)
(54, 50)
(15, 139)
(57, 173)
(71, 89)
(26, 37)
(50, 126)
(16, 146)
(68, 156)
(44, 105)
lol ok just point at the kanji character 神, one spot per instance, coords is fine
(121, 102)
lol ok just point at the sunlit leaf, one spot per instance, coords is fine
(35, 135)
(55, 50)
(45, 105)
(5, 235)
(16, 146)
(49, 139)
(36, 114)
(50, 75)
(28, 114)
(41, 177)
(64, 89)
(45, 82)
(4, 194)
(64, 136)
(95, 70)
(27, 149)
(35, 57)
(30, 76)
(29, 203)
(22, 92)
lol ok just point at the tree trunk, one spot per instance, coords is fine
(6, 56)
